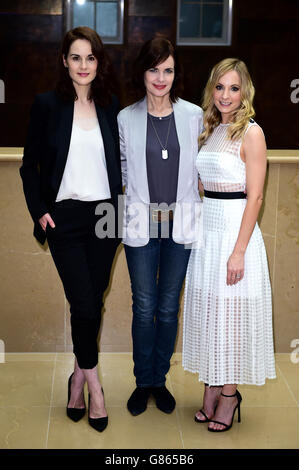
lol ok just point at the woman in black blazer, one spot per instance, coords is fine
(71, 166)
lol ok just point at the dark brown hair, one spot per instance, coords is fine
(152, 53)
(100, 90)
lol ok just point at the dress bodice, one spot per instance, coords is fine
(219, 163)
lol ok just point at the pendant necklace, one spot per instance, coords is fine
(164, 147)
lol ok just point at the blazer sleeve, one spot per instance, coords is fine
(122, 143)
(29, 170)
(200, 122)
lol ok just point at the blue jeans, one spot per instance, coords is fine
(157, 271)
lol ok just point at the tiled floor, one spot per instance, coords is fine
(33, 391)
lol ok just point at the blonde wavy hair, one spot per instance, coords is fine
(212, 117)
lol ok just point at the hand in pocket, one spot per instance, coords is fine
(46, 219)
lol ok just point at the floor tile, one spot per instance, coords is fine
(27, 383)
(290, 373)
(151, 430)
(266, 428)
(33, 395)
(116, 373)
(23, 428)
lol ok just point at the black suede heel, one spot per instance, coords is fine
(75, 414)
(99, 424)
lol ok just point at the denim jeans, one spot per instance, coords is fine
(157, 271)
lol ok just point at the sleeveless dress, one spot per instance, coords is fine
(227, 330)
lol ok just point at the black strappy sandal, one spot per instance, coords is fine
(228, 426)
(207, 420)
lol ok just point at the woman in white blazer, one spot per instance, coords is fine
(159, 145)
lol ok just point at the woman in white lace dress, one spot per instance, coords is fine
(228, 337)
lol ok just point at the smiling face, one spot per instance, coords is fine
(81, 63)
(227, 95)
(158, 80)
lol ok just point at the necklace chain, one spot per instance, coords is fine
(163, 147)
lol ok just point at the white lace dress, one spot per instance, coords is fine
(227, 330)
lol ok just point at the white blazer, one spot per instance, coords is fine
(132, 123)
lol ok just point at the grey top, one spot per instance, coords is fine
(162, 175)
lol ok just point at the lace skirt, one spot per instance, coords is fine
(227, 330)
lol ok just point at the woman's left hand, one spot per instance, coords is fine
(235, 268)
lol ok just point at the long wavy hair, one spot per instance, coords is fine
(241, 117)
(101, 86)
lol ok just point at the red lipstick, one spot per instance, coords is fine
(160, 87)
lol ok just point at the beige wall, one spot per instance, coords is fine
(34, 314)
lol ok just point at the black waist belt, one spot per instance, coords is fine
(220, 195)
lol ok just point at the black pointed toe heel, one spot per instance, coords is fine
(75, 414)
(99, 424)
(228, 426)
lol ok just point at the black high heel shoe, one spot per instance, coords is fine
(99, 424)
(206, 420)
(228, 426)
(75, 414)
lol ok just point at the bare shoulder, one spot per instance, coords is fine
(254, 144)
(254, 134)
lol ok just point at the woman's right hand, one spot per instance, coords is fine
(46, 219)
(200, 186)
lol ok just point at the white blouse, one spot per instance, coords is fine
(85, 175)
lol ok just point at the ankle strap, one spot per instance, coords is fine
(229, 396)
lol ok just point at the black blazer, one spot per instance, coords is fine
(46, 150)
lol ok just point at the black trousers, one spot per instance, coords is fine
(84, 264)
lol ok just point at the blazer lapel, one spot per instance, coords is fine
(110, 149)
(139, 130)
(182, 122)
(65, 132)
